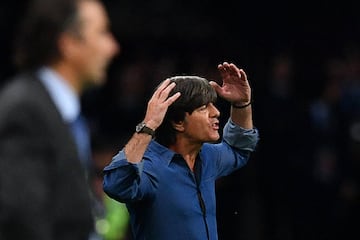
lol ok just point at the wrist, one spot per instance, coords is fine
(241, 105)
(151, 124)
(143, 128)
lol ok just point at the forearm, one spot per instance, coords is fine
(136, 147)
(242, 117)
(156, 110)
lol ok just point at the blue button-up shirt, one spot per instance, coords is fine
(162, 193)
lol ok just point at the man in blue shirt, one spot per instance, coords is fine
(166, 172)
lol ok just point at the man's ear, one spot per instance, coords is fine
(68, 45)
(178, 126)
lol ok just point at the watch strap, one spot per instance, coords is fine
(142, 128)
(147, 130)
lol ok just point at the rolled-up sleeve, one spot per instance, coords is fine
(121, 178)
(240, 138)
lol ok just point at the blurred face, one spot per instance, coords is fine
(94, 49)
(202, 125)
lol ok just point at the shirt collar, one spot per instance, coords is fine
(66, 100)
(166, 153)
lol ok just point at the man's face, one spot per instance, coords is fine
(96, 46)
(202, 125)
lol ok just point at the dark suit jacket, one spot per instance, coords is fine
(43, 191)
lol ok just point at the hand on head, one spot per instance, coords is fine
(159, 103)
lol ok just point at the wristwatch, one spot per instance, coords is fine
(142, 128)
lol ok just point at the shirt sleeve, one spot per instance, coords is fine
(121, 178)
(233, 152)
(240, 138)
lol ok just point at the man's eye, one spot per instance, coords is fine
(202, 108)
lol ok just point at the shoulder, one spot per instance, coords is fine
(25, 97)
(22, 89)
(158, 154)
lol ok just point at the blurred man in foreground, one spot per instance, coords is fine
(63, 46)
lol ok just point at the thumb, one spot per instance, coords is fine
(215, 86)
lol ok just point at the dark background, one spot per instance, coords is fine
(302, 61)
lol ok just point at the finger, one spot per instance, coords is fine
(226, 66)
(166, 91)
(172, 98)
(162, 86)
(243, 74)
(228, 69)
(222, 70)
(214, 84)
(234, 71)
(216, 87)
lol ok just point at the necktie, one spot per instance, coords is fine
(81, 136)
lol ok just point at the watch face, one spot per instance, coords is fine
(140, 126)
